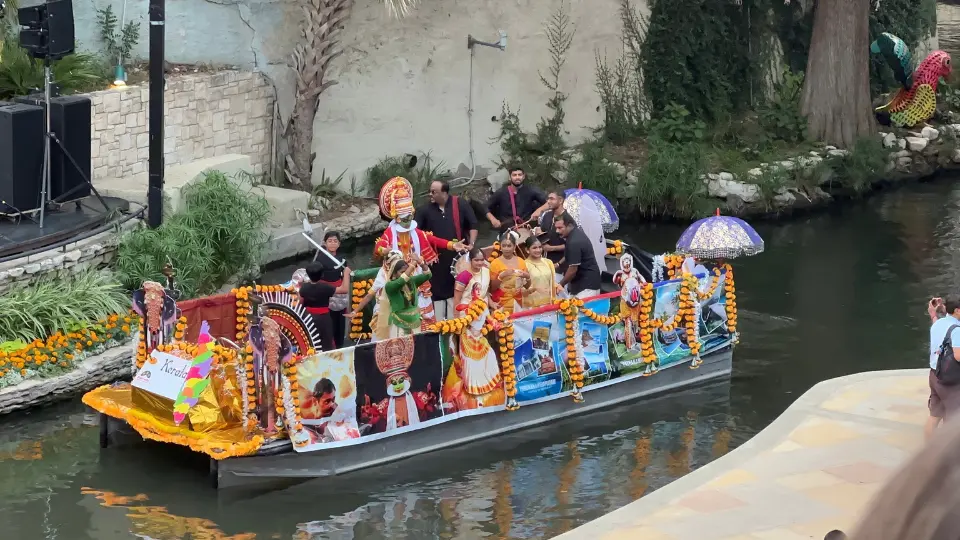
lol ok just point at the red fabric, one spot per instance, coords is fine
(220, 311)
(513, 204)
(428, 244)
(317, 310)
(456, 217)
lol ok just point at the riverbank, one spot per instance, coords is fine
(811, 471)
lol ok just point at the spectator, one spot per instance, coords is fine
(582, 276)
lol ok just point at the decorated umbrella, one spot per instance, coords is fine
(608, 216)
(720, 237)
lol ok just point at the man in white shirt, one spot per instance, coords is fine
(944, 399)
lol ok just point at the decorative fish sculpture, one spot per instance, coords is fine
(897, 55)
(197, 377)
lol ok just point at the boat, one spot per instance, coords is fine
(241, 377)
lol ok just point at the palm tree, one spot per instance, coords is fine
(323, 20)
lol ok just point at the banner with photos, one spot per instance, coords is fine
(592, 339)
(539, 374)
(371, 390)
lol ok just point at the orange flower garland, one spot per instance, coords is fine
(731, 305)
(62, 351)
(606, 320)
(496, 251)
(507, 356)
(455, 326)
(714, 281)
(616, 248)
(673, 263)
(569, 310)
(245, 365)
(360, 290)
(647, 351)
(688, 293)
(180, 328)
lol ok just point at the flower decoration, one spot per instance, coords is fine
(61, 352)
(616, 248)
(714, 281)
(647, 350)
(456, 326)
(569, 310)
(496, 251)
(731, 305)
(690, 306)
(360, 289)
(666, 266)
(507, 362)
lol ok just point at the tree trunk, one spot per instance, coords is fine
(836, 89)
(323, 20)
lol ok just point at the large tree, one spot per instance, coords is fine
(836, 90)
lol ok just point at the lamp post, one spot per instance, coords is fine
(155, 111)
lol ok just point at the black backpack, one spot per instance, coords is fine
(948, 369)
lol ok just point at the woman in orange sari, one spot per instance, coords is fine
(508, 274)
(542, 289)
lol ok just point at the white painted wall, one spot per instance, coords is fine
(404, 84)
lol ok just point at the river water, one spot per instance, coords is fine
(835, 293)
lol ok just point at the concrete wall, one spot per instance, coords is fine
(206, 115)
(403, 84)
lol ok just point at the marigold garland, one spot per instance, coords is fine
(569, 310)
(688, 306)
(496, 251)
(714, 281)
(360, 290)
(606, 320)
(731, 304)
(507, 354)
(647, 351)
(458, 325)
(292, 417)
(64, 350)
(616, 248)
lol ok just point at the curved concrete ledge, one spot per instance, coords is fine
(811, 471)
(94, 371)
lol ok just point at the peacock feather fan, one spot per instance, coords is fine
(897, 55)
(197, 377)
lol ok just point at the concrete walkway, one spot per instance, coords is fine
(811, 471)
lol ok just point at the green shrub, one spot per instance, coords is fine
(865, 164)
(676, 125)
(20, 74)
(595, 171)
(54, 304)
(218, 233)
(670, 182)
(780, 116)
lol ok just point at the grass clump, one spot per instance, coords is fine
(217, 234)
(865, 164)
(670, 183)
(60, 304)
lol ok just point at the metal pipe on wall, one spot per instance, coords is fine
(155, 111)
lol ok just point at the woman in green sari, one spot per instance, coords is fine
(398, 313)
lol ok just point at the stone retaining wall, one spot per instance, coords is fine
(91, 253)
(206, 115)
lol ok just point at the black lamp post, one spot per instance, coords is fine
(155, 111)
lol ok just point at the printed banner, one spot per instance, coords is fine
(538, 372)
(370, 389)
(671, 347)
(472, 378)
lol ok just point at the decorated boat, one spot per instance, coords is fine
(242, 378)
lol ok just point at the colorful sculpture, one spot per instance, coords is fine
(197, 377)
(916, 102)
(402, 234)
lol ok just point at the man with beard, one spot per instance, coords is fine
(553, 244)
(450, 218)
(515, 203)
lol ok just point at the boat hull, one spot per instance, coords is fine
(283, 463)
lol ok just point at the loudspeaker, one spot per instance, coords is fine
(60, 39)
(21, 157)
(70, 121)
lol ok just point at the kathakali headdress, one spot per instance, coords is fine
(396, 198)
(394, 356)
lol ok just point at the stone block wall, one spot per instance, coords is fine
(91, 253)
(206, 115)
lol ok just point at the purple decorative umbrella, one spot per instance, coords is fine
(608, 215)
(720, 237)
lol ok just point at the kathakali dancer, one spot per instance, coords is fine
(474, 379)
(401, 407)
(402, 234)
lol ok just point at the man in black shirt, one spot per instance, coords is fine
(515, 203)
(450, 218)
(552, 241)
(582, 276)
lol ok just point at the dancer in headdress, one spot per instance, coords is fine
(402, 234)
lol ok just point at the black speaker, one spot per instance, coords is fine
(46, 30)
(21, 157)
(70, 121)
(60, 39)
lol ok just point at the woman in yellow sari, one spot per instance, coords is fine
(542, 289)
(474, 379)
(508, 274)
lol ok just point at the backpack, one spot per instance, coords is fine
(948, 369)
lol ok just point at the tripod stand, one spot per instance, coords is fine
(45, 185)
